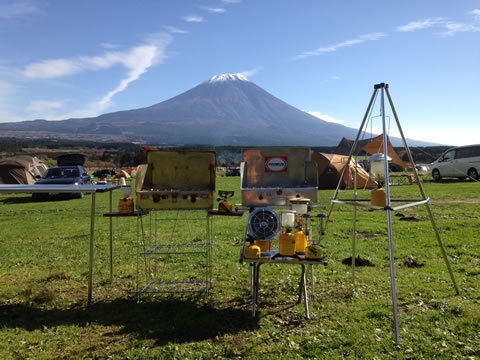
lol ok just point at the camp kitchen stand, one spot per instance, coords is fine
(273, 178)
(175, 243)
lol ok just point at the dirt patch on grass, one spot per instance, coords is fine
(358, 261)
(412, 262)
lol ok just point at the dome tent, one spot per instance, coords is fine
(22, 169)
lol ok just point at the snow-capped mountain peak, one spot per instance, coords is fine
(226, 77)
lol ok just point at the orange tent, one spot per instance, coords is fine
(330, 167)
(376, 146)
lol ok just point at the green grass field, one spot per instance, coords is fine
(44, 268)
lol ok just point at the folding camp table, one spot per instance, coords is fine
(90, 189)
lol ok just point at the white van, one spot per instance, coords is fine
(460, 162)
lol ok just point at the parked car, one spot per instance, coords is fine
(64, 175)
(233, 172)
(460, 162)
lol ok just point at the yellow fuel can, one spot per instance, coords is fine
(300, 242)
(252, 252)
(286, 244)
(264, 245)
(378, 197)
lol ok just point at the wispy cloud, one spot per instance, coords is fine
(453, 28)
(331, 48)
(215, 10)
(251, 72)
(450, 28)
(193, 18)
(420, 24)
(174, 30)
(134, 59)
(17, 9)
(137, 61)
(325, 117)
(332, 78)
(43, 106)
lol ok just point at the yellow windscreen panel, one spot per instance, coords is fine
(182, 170)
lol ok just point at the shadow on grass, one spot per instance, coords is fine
(30, 199)
(172, 320)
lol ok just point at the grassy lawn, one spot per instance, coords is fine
(44, 268)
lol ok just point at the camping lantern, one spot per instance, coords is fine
(300, 205)
(288, 218)
(377, 165)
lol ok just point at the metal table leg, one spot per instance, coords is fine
(312, 280)
(111, 238)
(256, 275)
(90, 267)
(305, 296)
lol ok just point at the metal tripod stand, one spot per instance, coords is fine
(383, 88)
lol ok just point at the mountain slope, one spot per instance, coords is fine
(225, 110)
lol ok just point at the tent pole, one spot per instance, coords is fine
(350, 156)
(382, 86)
(422, 191)
(354, 230)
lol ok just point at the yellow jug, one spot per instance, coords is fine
(252, 252)
(300, 242)
(378, 197)
(264, 245)
(286, 244)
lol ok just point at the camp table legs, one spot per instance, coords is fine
(254, 273)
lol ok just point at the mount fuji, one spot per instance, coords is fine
(227, 109)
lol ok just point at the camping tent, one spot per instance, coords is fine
(376, 146)
(330, 167)
(122, 173)
(22, 169)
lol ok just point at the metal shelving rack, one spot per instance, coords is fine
(175, 259)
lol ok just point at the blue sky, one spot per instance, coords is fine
(62, 59)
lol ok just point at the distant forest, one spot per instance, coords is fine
(129, 154)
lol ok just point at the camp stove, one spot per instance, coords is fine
(274, 176)
(176, 180)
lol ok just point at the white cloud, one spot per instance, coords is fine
(42, 106)
(174, 30)
(251, 72)
(325, 117)
(453, 28)
(330, 48)
(52, 68)
(17, 9)
(137, 61)
(132, 59)
(193, 18)
(332, 78)
(420, 24)
(215, 10)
